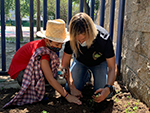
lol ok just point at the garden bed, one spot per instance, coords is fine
(122, 102)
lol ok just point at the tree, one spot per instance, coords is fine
(87, 5)
(51, 8)
(64, 9)
(8, 5)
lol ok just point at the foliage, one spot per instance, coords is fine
(63, 9)
(50, 8)
(75, 8)
(25, 8)
(8, 5)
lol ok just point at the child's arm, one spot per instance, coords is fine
(53, 82)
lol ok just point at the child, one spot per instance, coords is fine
(36, 62)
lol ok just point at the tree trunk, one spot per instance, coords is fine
(86, 7)
(21, 34)
(38, 20)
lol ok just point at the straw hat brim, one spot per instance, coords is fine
(55, 39)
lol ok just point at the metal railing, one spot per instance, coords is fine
(81, 4)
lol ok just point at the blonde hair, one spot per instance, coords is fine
(79, 24)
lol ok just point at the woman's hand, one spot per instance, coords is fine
(104, 92)
(76, 92)
(73, 99)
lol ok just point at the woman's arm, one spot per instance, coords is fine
(66, 58)
(112, 70)
(53, 82)
(112, 66)
(65, 63)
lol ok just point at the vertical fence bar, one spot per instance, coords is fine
(81, 2)
(17, 3)
(3, 49)
(44, 14)
(57, 9)
(119, 33)
(69, 11)
(102, 13)
(57, 13)
(31, 21)
(92, 9)
(112, 15)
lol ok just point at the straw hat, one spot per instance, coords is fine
(55, 31)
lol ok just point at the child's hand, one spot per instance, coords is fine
(73, 99)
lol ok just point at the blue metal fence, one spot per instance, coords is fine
(102, 13)
(3, 36)
(119, 33)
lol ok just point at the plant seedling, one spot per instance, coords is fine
(137, 102)
(44, 111)
(135, 108)
(97, 95)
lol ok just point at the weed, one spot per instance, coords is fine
(137, 102)
(128, 110)
(91, 102)
(135, 108)
(116, 99)
(128, 97)
(44, 111)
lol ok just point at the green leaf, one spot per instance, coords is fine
(135, 108)
(44, 111)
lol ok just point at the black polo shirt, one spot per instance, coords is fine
(101, 49)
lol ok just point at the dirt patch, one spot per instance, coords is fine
(122, 102)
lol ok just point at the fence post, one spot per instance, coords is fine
(92, 9)
(69, 11)
(119, 33)
(102, 13)
(112, 15)
(17, 3)
(3, 49)
(31, 21)
(81, 2)
(44, 14)
(57, 9)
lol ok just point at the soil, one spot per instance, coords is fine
(121, 102)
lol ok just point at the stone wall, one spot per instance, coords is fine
(135, 61)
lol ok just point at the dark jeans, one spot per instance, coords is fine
(20, 77)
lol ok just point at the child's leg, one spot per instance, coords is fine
(20, 77)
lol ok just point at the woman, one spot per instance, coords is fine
(93, 50)
(36, 61)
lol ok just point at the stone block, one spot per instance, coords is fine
(132, 5)
(137, 87)
(131, 60)
(143, 70)
(132, 21)
(145, 45)
(144, 20)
